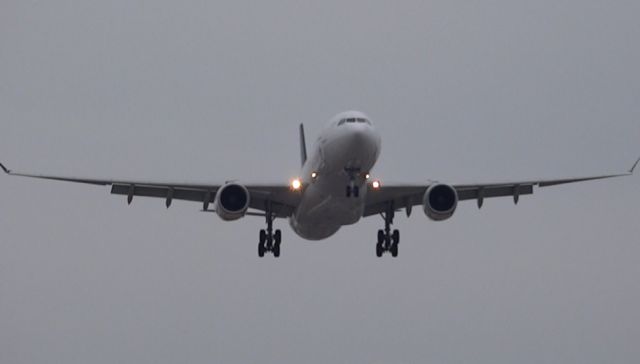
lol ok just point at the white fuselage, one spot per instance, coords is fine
(343, 155)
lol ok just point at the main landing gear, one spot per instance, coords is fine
(269, 240)
(387, 240)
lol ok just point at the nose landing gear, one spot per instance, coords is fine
(352, 190)
(388, 241)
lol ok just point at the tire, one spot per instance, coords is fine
(380, 237)
(277, 237)
(379, 250)
(356, 191)
(394, 250)
(276, 250)
(348, 191)
(261, 250)
(263, 237)
(396, 237)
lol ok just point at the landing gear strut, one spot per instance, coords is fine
(388, 240)
(269, 240)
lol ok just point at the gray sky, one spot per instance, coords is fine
(461, 91)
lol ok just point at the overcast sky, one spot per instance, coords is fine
(460, 91)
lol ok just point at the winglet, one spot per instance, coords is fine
(7, 171)
(634, 166)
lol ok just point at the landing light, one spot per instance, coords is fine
(367, 176)
(296, 184)
(376, 185)
(314, 175)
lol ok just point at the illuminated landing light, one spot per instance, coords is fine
(376, 185)
(296, 184)
(367, 176)
(314, 175)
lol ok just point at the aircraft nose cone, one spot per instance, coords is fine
(362, 140)
(362, 136)
(354, 146)
(359, 135)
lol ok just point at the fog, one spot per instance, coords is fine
(208, 91)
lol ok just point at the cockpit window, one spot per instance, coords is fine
(354, 120)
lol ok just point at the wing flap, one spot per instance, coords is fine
(161, 192)
(281, 199)
(473, 193)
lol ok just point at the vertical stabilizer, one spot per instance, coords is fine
(303, 146)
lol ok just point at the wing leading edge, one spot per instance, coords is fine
(406, 196)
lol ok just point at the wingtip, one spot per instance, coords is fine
(634, 166)
(7, 171)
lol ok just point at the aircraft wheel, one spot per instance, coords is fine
(396, 236)
(394, 250)
(356, 191)
(380, 237)
(261, 243)
(276, 250)
(263, 237)
(277, 237)
(379, 250)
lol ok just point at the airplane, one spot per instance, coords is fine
(334, 189)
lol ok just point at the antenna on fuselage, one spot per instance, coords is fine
(303, 146)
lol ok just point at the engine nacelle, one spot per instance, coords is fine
(440, 202)
(232, 201)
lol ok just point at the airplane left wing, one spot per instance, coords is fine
(406, 196)
(280, 199)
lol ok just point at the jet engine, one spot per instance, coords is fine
(232, 201)
(440, 202)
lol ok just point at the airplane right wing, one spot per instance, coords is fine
(279, 199)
